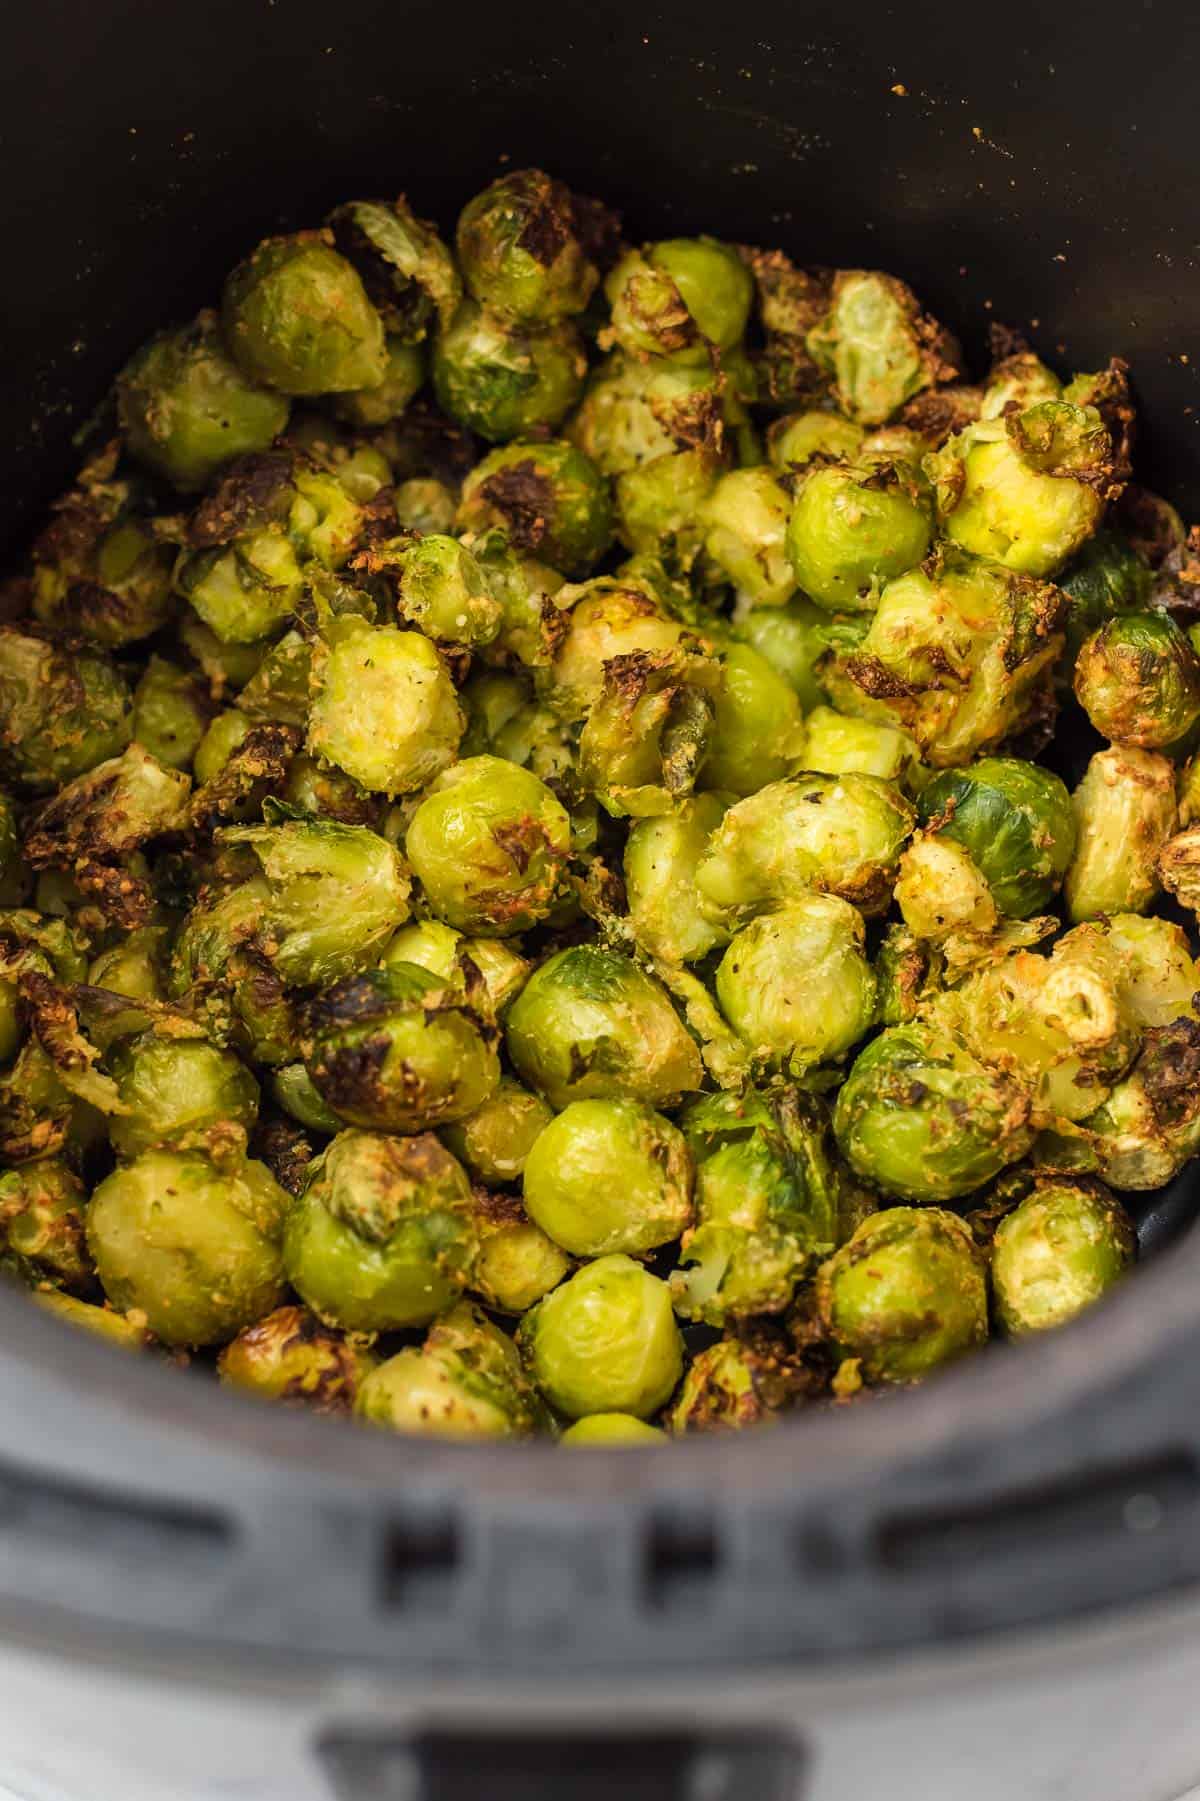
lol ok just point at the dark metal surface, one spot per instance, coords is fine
(1035, 172)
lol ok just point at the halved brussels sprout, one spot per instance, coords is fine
(662, 506)
(757, 732)
(1159, 975)
(605, 1341)
(528, 247)
(878, 346)
(383, 1234)
(385, 710)
(495, 1141)
(797, 438)
(406, 269)
(1147, 1128)
(909, 1292)
(836, 745)
(61, 711)
(42, 1206)
(1015, 822)
(590, 1024)
(292, 1356)
(612, 1429)
(548, 496)
(678, 297)
(747, 514)
(516, 1264)
(1107, 577)
(652, 730)
(1125, 811)
(793, 639)
(503, 381)
(922, 1118)
(634, 411)
(661, 858)
(171, 712)
(180, 1094)
(462, 963)
(735, 1383)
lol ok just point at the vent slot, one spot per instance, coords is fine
(681, 1564)
(1136, 1498)
(421, 1564)
(95, 1522)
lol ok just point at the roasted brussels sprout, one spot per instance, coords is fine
(800, 437)
(662, 507)
(383, 1234)
(100, 571)
(504, 381)
(1138, 680)
(735, 1383)
(61, 711)
(42, 1207)
(1125, 812)
(292, 1088)
(878, 346)
(747, 514)
(466, 1381)
(835, 745)
(1016, 382)
(528, 247)
(1159, 976)
(395, 1050)
(855, 526)
(180, 1094)
(608, 620)
(909, 1292)
(190, 1244)
(171, 712)
(186, 408)
(796, 985)
(439, 588)
(793, 639)
(605, 1341)
(960, 655)
(1001, 831)
(405, 267)
(647, 737)
(766, 1204)
(495, 1141)
(661, 857)
(403, 378)
(297, 318)
(425, 504)
(385, 710)
(552, 501)
(612, 1429)
(1027, 489)
(489, 844)
(292, 1356)
(1179, 867)
(839, 835)
(1107, 577)
(1057, 1253)
(462, 963)
(635, 411)
(516, 1264)
(1147, 1128)
(589, 1024)
(609, 1175)
(921, 1118)
(680, 298)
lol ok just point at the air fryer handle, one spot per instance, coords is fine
(583, 1765)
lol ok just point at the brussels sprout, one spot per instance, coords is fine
(495, 1141)
(42, 1223)
(838, 835)
(609, 1175)
(439, 588)
(526, 590)
(223, 666)
(395, 1050)
(792, 639)
(835, 745)
(662, 506)
(611, 1429)
(1138, 680)
(960, 656)
(796, 986)
(461, 962)
(634, 412)
(292, 1089)
(382, 1235)
(134, 967)
(504, 381)
(101, 573)
(550, 499)
(1159, 976)
(909, 971)
(516, 1263)
(647, 734)
(735, 1383)
(605, 1341)
(678, 298)
(921, 1118)
(291, 1356)
(466, 1381)
(221, 738)
(1017, 382)
(878, 346)
(13, 879)
(1015, 823)
(1107, 577)
(1057, 1253)
(757, 733)
(61, 712)
(799, 437)
(385, 710)
(334, 894)
(246, 591)
(425, 504)
(1179, 867)
(403, 378)
(1062, 1026)
(766, 1204)
(527, 247)
(661, 857)
(1027, 489)
(103, 1322)
(906, 1294)
(590, 1024)
(170, 712)
(407, 271)
(609, 620)
(941, 891)
(855, 526)
(179, 1094)
(747, 514)
(296, 317)
(1125, 812)
(185, 408)
(192, 1245)
(1148, 1127)
(489, 843)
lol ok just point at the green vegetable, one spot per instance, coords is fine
(1057, 1253)
(605, 1342)
(609, 1175)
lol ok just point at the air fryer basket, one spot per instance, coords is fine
(1024, 167)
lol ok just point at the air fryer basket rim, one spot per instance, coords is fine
(1036, 172)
